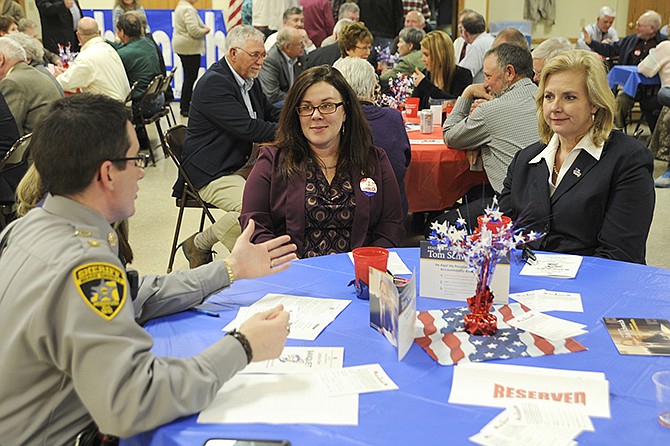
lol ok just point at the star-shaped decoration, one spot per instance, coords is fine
(492, 345)
(477, 342)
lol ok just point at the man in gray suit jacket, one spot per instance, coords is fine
(27, 91)
(283, 65)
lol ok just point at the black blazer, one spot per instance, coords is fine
(601, 208)
(326, 55)
(623, 49)
(57, 24)
(220, 131)
(427, 90)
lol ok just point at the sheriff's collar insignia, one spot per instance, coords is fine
(102, 286)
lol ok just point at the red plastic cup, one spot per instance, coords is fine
(412, 107)
(366, 257)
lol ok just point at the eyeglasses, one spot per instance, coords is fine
(364, 48)
(327, 108)
(642, 25)
(255, 55)
(141, 160)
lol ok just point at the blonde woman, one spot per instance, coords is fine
(188, 41)
(442, 78)
(587, 187)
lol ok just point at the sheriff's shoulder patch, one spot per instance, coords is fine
(102, 286)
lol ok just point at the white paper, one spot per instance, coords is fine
(544, 300)
(553, 265)
(279, 399)
(395, 264)
(549, 413)
(445, 275)
(497, 385)
(355, 380)
(300, 360)
(549, 327)
(425, 141)
(502, 432)
(308, 315)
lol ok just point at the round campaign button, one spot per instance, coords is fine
(368, 186)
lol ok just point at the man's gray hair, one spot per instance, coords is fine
(360, 75)
(240, 34)
(293, 10)
(348, 6)
(422, 19)
(655, 17)
(339, 26)
(284, 36)
(33, 48)
(552, 47)
(606, 11)
(11, 49)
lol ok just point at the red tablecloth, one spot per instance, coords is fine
(437, 175)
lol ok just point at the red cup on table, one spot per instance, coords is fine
(412, 107)
(366, 257)
(493, 225)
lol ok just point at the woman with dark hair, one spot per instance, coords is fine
(442, 78)
(322, 181)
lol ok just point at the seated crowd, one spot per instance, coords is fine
(303, 162)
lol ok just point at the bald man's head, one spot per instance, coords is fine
(87, 28)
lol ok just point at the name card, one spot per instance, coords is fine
(445, 275)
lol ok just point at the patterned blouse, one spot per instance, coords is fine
(329, 212)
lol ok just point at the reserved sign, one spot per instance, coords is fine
(498, 385)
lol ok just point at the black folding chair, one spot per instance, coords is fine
(15, 164)
(190, 198)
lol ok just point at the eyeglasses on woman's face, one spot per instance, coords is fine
(326, 108)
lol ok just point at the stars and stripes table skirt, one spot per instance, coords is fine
(441, 334)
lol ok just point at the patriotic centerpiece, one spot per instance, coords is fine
(482, 249)
(385, 57)
(65, 54)
(401, 88)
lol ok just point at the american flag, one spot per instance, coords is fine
(441, 334)
(233, 13)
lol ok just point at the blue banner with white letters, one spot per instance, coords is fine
(161, 24)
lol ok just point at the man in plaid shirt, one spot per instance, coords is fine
(419, 5)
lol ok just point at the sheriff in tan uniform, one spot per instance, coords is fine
(72, 347)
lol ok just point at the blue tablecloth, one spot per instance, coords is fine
(418, 413)
(629, 79)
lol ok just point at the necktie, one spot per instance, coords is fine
(463, 48)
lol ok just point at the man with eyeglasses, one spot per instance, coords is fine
(75, 359)
(283, 65)
(229, 114)
(631, 50)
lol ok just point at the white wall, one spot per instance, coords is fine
(571, 15)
